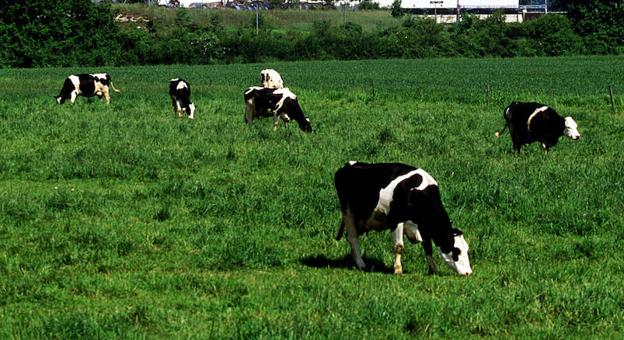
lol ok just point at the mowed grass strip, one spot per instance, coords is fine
(128, 222)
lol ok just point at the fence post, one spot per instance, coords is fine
(612, 100)
(373, 88)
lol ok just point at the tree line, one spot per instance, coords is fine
(41, 33)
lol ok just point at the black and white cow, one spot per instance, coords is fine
(403, 199)
(180, 92)
(534, 122)
(270, 79)
(276, 103)
(87, 85)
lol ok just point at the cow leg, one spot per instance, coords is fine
(545, 148)
(250, 107)
(73, 96)
(397, 236)
(352, 237)
(179, 109)
(174, 105)
(285, 119)
(429, 254)
(276, 118)
(412, 232)
(107, 97)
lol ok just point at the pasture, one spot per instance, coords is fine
(130, 222)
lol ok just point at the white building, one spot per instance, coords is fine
(453, 4)
(194, 3)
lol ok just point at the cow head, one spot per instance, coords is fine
(457, 257)
(570, 129)
(304, 125)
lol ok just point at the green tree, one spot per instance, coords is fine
(396, 10)
(57, 33)
(598, 19)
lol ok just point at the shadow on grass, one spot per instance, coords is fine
(320, 261)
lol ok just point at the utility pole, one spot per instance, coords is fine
(435, 8)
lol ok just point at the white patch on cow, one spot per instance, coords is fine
(462, 265)
(99, 75)
(181, 85)
(538, 110)
(412, 232)
(352, 162)
(76, 81)
(271, 79)
(285, 93)
(386, 194)
(251, 89)
(174, 79)
(571, 128)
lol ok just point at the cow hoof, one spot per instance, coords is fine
(360, 265)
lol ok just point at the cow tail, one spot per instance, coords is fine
(499, 133)
(113, 87)
(340, 231)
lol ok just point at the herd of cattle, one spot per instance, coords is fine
(382, 196)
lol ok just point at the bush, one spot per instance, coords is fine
(553, 35)
(368, 5)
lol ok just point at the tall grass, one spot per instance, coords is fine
(130, 222)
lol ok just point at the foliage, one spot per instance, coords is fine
(69, 32)
(396, 10)
(368, 5)
(600, 18)
(130, 223)
(81, 33)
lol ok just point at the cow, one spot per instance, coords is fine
(180, 92)
(277, 103)
(534, 122)
(270, 79)
(403, 199)
(88, 85)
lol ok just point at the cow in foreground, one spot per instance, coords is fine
(270, 79)
(534, 122)
(403, 199)
(87, 85)
(180, 92)
(277, 103)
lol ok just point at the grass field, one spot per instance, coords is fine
(277, 19)
(130, 222)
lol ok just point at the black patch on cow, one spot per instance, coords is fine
(87, 85)
(266, 101)
(358, 186)
(545, 127)
(183, 95)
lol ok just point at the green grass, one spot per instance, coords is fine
(277, 19)
(130, 222)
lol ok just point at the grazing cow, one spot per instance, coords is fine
(533, 122)
(270, 79)
(180, 92)
(276, 103)
(87, 85)
(403, 199)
